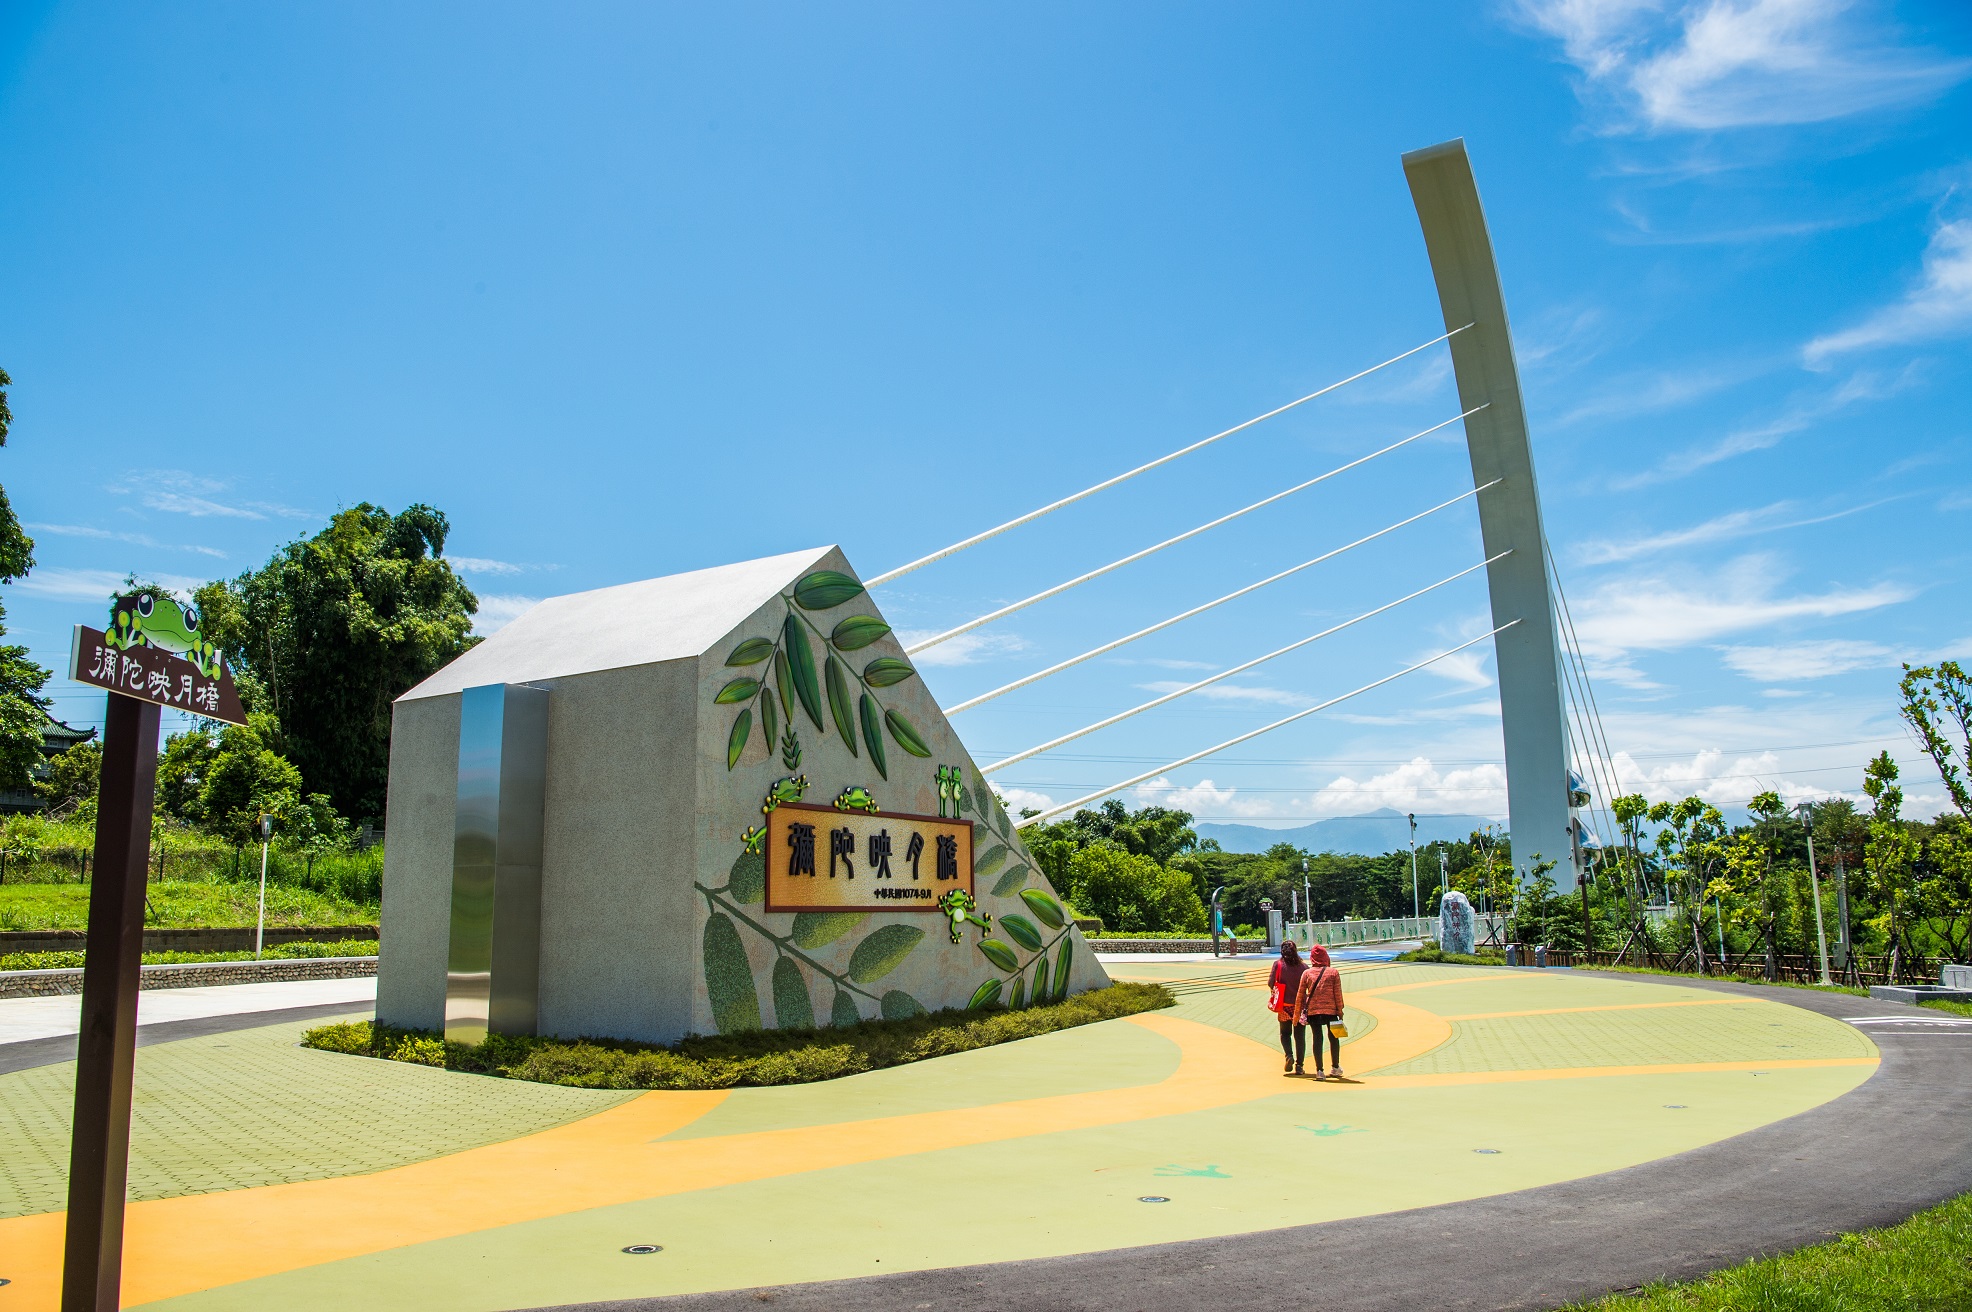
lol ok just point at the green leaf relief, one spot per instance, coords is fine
(985, 995)
(857, 632)
(751, 652)
(899, 1005)
(770, 722)
(1040, 980)
(729, 978)
(801, 669)
(839, 711)
(886, 670)
(825, 589)
(793, 1009)
(1061, 963)
(1046, 910)
(987, 864)
(1018, 998)
(873, 734)
(784, 680)
(818, 929)
(747, 883)
(1015, 876)
(842, 1012)
(1022, 931)
(906, 734)
(736, 740)
(882, 952)
(739, 690)
(999, 954)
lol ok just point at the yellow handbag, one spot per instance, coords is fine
(1338, 1029)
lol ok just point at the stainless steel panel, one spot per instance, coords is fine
(475, 834)
(516, 955)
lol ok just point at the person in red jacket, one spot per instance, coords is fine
(1318, 1004)
(1283, 993)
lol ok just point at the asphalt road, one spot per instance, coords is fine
(29, 1053)
(1899, 1143)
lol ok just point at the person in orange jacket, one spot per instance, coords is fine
(1318, 1004)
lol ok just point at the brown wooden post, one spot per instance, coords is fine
(106, 1048)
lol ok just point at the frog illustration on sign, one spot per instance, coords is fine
(959, 907)
(855, 798)
(784, 790)
(151, 619)
(948, 791)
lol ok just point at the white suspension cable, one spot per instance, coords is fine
(1049, 509)
(1052, 812)
(1018, 757)
(1107, 647)
(1097, 573)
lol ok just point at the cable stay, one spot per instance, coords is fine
(1049, 509)
(1066, 807)
(1161, 625)
(1097, 573)
(1118, 718)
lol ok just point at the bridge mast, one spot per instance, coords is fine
(1461, 250)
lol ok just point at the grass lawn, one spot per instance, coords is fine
(186, 905)
(1923, 1265)
(756, 1057)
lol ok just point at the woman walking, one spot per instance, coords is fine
(1283, 999)
(1318, 1004)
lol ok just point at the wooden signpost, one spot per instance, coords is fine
(152, 656)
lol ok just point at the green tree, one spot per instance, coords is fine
(1937, 704)
(23, 709)
(333, 629)
(72, 780)
(1132, 893)
(181, 772)
(1890, 853)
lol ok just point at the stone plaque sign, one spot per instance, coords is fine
(823, 859)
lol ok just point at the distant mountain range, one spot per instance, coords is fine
(1367, 835)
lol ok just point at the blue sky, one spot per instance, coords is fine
(633, 289)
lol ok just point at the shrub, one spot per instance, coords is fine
(756, 1057)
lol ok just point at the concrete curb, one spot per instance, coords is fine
(53, 983)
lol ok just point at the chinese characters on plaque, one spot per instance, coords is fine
(152, 674)
(821, 859)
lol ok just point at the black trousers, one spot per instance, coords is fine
(1319, 1024)
(1296, 1048)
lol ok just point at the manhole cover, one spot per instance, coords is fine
(1152, 1198)
(641, 1249)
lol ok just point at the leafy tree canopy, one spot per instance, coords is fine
(1132, 893)
(22, 707)
(332, 630)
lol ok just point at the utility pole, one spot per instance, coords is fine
(265, 828)
(1417, 909)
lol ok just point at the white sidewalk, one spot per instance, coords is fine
(40, 1018)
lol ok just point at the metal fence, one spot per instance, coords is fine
(1346, 933)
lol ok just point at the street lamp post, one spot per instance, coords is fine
(1806, 813)
(266, 830)
(1417, 909)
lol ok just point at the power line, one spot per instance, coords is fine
(1049, 509)
(1227, 674)
(1097, 573)
(1249, 736)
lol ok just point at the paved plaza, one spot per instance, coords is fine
(265, 1174)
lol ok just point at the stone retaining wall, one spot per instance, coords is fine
(1172, 945)
(49, 983)
(232, 939)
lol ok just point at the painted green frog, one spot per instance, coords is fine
(151, 619)
(784, 790)
(959, 908)
(949, 792)
(856, 798)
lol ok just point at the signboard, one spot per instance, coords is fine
(822, 859)
(154, 652)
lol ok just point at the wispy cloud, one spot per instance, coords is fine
(967, 649)
(498, 609)
(1939, 305)
(135, 539)
(1808, 660)
(1636, 394)
(1724, 528)
(93, 584)
(1720, 64)
(1236, 692)
(179, 492)
(1803, 412)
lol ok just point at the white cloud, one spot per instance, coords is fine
(1466, 668)
(1807, 660)
(1710, 775)
(1416, 785)
(1023, 799)
(1939, 305)
(1201, 798)
(135, 539)
(1235, 692)
(480, 565)
(1723, 528)
(98, 585)
(178, 492)
(497, 610)
(1717, 64)
(967, 649)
